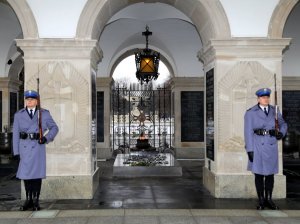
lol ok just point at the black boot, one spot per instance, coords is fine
(261, 201)
(37, 183)
(36, 203)
(268, 201)
(28, 191)
(28, 202)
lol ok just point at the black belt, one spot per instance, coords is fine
(31, 136)
(264, 132)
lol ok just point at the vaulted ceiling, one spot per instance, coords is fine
(174, 36)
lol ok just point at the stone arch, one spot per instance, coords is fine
(279, 17)
(26, 18)
(208, 16)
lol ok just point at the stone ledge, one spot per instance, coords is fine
(91, 213)
(104, 153)
(286, 214)
(239, 185)
(290, 83)
(68, 187)
(190, 153)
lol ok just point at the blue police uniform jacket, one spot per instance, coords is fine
(32, 155)
(265, 147)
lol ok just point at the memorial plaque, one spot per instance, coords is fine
(291, 109)
(210, 129)
(1, 111)
(13, 106)
(94, 92)
(192, 116)
(21, 89)
(100, 116)
(93, 123)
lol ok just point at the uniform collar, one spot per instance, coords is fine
(33, 110)
(262, 107)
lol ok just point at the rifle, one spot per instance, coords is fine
(38, 107)
(276, 108)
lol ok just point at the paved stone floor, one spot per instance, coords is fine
(153, 216)
(147, 200)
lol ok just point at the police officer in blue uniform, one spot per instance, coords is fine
(31, 148)
(261, 145)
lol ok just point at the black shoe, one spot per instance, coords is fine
(271, 205)
(36, 206)
(27, 205)
(261, 200)
(260, 207)
(268, 201)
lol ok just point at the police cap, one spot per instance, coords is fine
(263, 92)
(31, 94)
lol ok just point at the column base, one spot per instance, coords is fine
(68, 187)
(190, 153)
(238, 185)
(104, 153)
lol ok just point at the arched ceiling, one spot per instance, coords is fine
(206, 16)
(291, 65)
(10, 29)
(157, 11)
(174, 36)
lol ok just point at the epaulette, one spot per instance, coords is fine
(252, 108)
(273, 107)
(22, 110)
(43, 109)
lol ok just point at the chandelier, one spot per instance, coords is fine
(147, 61)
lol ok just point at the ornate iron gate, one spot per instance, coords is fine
(139, 111)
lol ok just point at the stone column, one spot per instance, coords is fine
(7, 86)
(67, 71)
(185, 150)
(241, 66)
(104, 148)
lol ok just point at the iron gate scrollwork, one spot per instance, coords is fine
(139, 111)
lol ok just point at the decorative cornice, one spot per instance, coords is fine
(243, 48)
(60, 49)
(187, 82)
(96, 55)
(290, 83)
(104, 82)
(6, 82)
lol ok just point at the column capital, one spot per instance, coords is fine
(184, 82)
(60, 49)
(243, 48)
(104, 82)
(291, 83)
(9, 83)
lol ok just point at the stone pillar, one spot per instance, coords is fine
(8, 86)
(104, 147)
(241, 66)
(184, 149)
(67, 72)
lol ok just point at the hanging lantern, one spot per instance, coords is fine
(147, 61)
